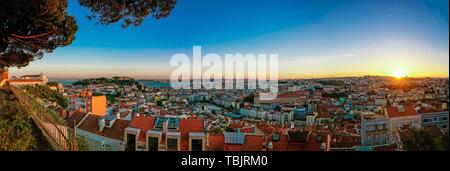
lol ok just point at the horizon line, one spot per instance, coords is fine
(299, 78)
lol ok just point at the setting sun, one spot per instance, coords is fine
(399, 73)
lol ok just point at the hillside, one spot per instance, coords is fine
(113, 80)
(17, 130)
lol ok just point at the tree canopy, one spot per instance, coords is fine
(29, 29)
(128, 12)
(44, 92)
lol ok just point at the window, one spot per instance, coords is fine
(172, 144)
(153, 144)
(444, 118)
(131, 142)
(197, 145)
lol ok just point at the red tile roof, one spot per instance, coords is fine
(75, 116)
(266, 128)
(248, 130)
(408, 111)
(116, 132)
(186, 126)
(144, 123)
(345, 141)
(216, 142)
(283, 143)
(232, 147)
(236, 125)
(253, 143)
(191, 125)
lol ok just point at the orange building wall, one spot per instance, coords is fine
(99, 105)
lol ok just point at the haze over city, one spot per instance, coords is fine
(313, 39)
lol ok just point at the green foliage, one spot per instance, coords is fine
(335, 95)
(228, 129)
(82, 143)
(129, 12)
(422, 140)
(15, 127)
(30, 28)
(250, 98)
(218, 130)
(52, 83)
(121, 81)
(159, 102)
(44, 92)
(442, 142)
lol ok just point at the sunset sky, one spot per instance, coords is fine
(316, 38)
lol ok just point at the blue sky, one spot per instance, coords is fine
(317, 38)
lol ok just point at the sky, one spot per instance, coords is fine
(315, 38)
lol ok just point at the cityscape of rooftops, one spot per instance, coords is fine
(347, 75)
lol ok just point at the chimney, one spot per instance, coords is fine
(270, 145)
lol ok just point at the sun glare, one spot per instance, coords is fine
(399, 73)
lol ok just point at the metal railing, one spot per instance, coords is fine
(57, 135)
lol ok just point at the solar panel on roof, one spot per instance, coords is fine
(234, 138)
(173, 123)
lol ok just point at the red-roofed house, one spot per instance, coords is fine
(135, 133)
(28, 80)
(235, 141)
(299, 141)
(215, 142)
(193, 136)
(100, 133)
(402, 115)
(150, 133)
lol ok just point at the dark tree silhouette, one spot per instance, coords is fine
(28, 28)
(130, 12)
